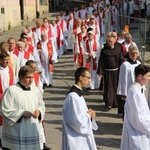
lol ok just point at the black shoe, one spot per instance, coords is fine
(50, 85)
(44, 86)
(45, 147)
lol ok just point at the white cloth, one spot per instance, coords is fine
(23, 60)
(15, 63)
(126, 77)
(77, 131)
(136, 127)
(70, 34)
(23, 135)
(89, 10)
(5, 78)
(95, 54)
(129, 44)
(96, 29)
(46, 74)
(82, 13)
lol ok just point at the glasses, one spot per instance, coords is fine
(86, 77)
(134, 53)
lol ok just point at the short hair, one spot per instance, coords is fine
(4, 45)
(89, 29)
(21, 43)
(141, 70)
(4, 55)
(24, 70)
(11, 38)
(30, 62)
(80, 72)
(132, 47)
(23, 35)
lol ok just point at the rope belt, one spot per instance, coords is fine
(111, 69)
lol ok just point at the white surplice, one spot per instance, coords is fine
(46, 74)
(126, 77)
(25, 134)
(136, 127)
(5, 78)
(95, 54)
(77, 131)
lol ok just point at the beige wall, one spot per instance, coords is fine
(44, 8)
(11, 17)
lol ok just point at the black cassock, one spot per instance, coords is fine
(108, 66)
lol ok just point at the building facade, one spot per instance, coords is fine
(12, 12)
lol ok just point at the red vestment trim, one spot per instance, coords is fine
(88, 61)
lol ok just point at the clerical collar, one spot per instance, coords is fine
(132, 61)
(76, 89)
(23, 87)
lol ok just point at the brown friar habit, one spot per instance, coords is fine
(108, 66)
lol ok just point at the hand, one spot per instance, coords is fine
(36, 113)
(93, 114)
(27, 114)
(90, 111)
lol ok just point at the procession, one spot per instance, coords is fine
(99, 56)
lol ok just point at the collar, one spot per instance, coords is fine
(76, 89)
(132, 61)
(24, 88)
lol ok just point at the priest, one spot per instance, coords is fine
(22, 108)
(136, 127)
(78, 120)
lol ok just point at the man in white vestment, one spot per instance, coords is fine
(70, 28)
(48, 56)
(126, 76)
(136, 127)
(78, 120)
(22, 108)
(13, 58)
(91, 55)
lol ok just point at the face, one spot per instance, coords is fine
(111, 41)
(90, 36)
(53, 22)
(25, 41)
(4, 62)
(12, 44)
(20, 47)
(78, 23)
(70, 16)
(128, 39)
(92, 20)
(85, 79)
(33, 66)
(58, 18)
(83, 29)
(27, 79)
(133, 54)
(38, 24)
(145, 79)
(44, 38)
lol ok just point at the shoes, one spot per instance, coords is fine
(108, 107)
(45, 147)
(50, 85)
(44, 85)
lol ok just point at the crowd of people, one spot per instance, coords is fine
(102, 50)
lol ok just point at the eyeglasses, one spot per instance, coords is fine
(86, 77)
(133, 53)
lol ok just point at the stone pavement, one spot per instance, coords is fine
(110, 123)
(108, 136)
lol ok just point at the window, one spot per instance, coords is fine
(2, 10)
(43, 2)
